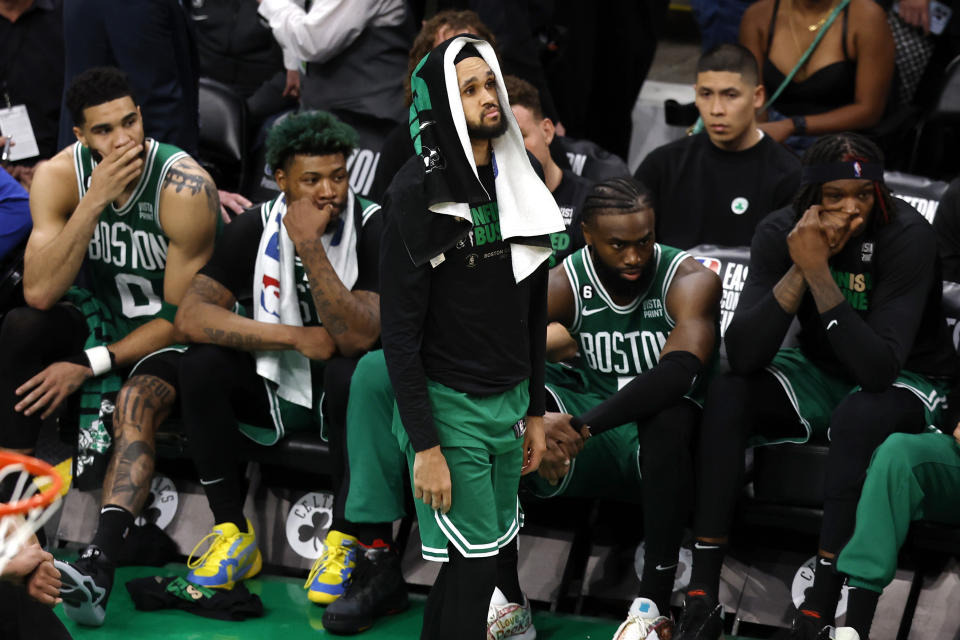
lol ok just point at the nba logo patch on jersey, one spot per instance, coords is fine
(146, 210)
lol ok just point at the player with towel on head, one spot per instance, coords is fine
(464, 323)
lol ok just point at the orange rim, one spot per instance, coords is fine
(36, 468)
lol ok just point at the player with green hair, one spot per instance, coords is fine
(306, 264)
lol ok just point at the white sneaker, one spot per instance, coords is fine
(509, 620)
(843, 633)
(644, 622)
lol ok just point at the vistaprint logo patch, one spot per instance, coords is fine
(652, 308)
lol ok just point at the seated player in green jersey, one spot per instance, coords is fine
(307, 263)
(644, 319)
(133, 219)
(643, 316)
(858, 269)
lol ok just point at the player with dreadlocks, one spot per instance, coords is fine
(859, 270)
(644, 318)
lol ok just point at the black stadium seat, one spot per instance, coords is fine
(929, 147)
(223, 133)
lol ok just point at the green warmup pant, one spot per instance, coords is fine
(377, 465)
(911, 477)
(608, 465)
(815, 393)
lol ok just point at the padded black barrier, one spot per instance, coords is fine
(590, 160)
(920, 192)
(258, 182)
(302, 451)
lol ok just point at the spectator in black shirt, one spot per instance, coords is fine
(464, 324)
(308, 261)
(859, 270)
(236, 47)
(716, 186)
(31, 72)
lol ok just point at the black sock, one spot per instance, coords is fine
(112, 529)
(657, 583)
(707, 563)
(861, 606)
(823, 595)
(226, 495)
(469, 585)
(508, 579)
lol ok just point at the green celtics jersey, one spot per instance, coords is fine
(619, 342)
(127, 254)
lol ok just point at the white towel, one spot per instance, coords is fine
(275, 302)
(526, 206)
(275, 292)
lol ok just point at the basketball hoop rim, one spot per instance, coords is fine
(35, 467)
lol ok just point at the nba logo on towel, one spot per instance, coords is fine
(857, 169)
(270, 297)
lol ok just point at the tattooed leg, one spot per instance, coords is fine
(143, 404)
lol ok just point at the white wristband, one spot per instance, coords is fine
(100, 360)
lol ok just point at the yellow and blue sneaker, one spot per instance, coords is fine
(231, 557)
(330, 574)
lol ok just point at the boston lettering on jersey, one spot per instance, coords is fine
(128, 251)
(619, 342)
(123, 247)
(622, 353)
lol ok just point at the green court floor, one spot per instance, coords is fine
(289, 616)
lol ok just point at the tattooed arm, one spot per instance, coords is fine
(352, 318)
(189, 209)
(204, 316)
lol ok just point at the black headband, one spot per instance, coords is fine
(854, 169)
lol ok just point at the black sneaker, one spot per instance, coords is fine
(807, 625)
(702, 618)
(86, 586)
(376, 589)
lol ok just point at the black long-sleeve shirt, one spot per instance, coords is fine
(891, 318)
(464, 323)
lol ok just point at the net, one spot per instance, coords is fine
(34, 498)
